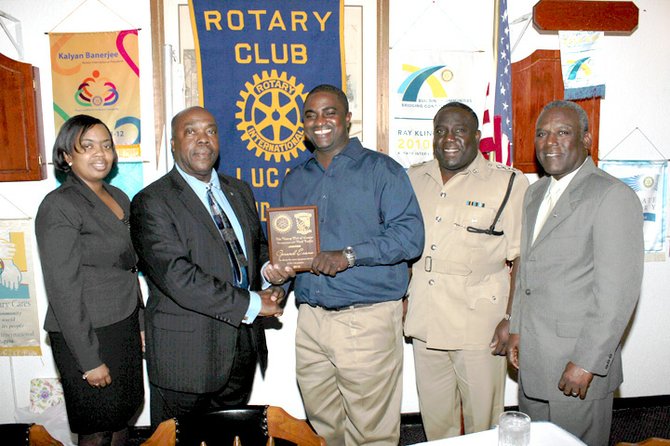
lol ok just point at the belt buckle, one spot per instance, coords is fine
(428, 264)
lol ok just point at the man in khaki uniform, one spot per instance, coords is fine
(459, 305)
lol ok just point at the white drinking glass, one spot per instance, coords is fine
(513, 429)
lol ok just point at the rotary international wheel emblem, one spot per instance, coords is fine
(269, 116)
(282, 223)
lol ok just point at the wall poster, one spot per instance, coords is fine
(19, 326)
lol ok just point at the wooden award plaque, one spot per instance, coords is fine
(293, 236)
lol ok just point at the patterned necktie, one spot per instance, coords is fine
(235, 252)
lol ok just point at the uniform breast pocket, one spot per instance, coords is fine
(475, 218)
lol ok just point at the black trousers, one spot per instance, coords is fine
(168, 403)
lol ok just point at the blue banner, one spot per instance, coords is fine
(257, 60)
(649, 181)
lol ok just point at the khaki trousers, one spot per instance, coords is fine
(349, 369)
(447, 378)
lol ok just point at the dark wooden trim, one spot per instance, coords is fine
(383, 75)
(579, 15)
(157, 44)
(21, 122)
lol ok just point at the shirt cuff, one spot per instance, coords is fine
(254, 308)
(264, 283)
(365, 253)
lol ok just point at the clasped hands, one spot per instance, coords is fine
(271, 301)
(98, 377)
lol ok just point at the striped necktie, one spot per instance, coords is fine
(235, 252)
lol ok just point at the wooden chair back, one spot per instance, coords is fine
(245, 426)
(654, 441)
(24, 434)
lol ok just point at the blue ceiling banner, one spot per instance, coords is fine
(257, 60)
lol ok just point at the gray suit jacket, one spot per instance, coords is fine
(578, 283)
(88, 263)
(193, 311)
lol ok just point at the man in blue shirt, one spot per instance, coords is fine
(349, 343)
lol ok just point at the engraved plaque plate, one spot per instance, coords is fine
(293, 236)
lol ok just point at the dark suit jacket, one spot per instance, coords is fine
(578, 283)
(193, 311)
(87, 261)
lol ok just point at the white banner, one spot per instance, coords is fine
(19, 329)
(648, 179)
(583, 75)
(423, 81)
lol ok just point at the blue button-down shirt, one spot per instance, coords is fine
(365, 201)
(200, 189)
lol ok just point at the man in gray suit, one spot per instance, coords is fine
(201, 246)
(578, 282)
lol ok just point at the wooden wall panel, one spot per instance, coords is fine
(536, 81)
(21, 138)
(620, 17)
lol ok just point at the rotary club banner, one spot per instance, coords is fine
(257, 60)
(97, 74)
(649, 181)
(19, 327)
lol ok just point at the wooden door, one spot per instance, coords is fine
(21, 138)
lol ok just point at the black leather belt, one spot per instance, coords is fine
(344, 308)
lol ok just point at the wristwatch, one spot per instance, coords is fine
(350, 255)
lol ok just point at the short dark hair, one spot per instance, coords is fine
(583, 118)
(327, 88)
(461, 106)
(70, 135)
(175, 118)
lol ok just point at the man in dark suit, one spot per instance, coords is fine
(201, 246)
(578, 283)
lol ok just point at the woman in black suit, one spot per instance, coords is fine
(88, 263)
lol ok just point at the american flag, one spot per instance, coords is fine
(496, 141)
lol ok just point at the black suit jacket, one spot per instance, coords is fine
(194, 312)
(88, 265)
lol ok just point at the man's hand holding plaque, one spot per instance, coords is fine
(293, 238)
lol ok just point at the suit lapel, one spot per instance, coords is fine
(534, 207)
(568, 202)
(191, 201)
(98, 208)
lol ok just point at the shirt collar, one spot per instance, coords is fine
(196, 184)
(559, 186)
(475, 168)
(354, 150)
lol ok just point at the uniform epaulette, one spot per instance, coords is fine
(501, 166)
(420, 164)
